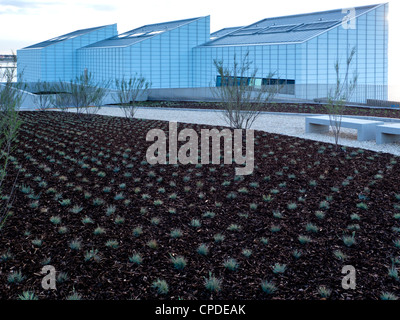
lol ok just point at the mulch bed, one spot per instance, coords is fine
(282, 107)
(60, 156)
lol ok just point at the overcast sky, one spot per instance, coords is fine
(26, 22)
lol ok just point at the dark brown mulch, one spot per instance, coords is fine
(282, 107)
(60, 156)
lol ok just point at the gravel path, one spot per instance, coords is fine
(291, 125)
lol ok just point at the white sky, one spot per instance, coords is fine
(26, 22)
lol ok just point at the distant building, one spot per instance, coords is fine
(300, 49)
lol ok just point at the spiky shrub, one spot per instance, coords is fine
(231, 264)
(137, 231)
(268, 287)
(74, 295)
(212, 283)
(304, 239)
(340, 255)
(92, 255)
(15, 277)
(179, 262)
(219, 237)
(175, 233)
(99, 230)
(247, 253)
(136, 258)
(203, 249)
(279, 268)
(349, 240)
(128, 92)
(75, 244)
(112, 244)
(161, 286)
(297, 254)
(324, 292)
(388, 296)
(37, 242)
(152, 244)
(27, 295)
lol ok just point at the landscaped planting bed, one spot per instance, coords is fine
(114, 227)
(282, 107)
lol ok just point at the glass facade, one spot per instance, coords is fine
(165, 59)
(57, 61)
(311, 64)
(300, 50)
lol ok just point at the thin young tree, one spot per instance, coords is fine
(242, 100)
(86, 95)
(11, 98)
(42, 95)
(339, 95)
(128, 91)
(62, 98)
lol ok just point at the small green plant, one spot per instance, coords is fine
(362, 206)
(65, 202)
(37, 242)
(179, 262)
(275, 228)
(393, 273)
(28, 295)
(324, 205)
(119, 220)
(152, 244)
(234, 227)
(292, 206)
(74, 296)
(110, 210)
(304, 239)
(231, 264)
(99, 230)
(324, 292)
(388, 296)
(55, 220)
(340, 255)
(112, 244)
(212, 283)
(279, 268)
(76, 209)
(195, 223)
(219, 237)
(15, 277)
(176, 233)
(311, 227)
(137, 231)
(136, 258)
(92, 255)
(268, 287)
(297, 254)
(349, 240)
(161, 286)
(247, 253)
(75, 244)
(87, 220)
(203, 249)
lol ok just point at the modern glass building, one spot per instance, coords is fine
(57, 59)
(301, 50)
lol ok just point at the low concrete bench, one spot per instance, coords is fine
(388, 133)
(366, 129)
